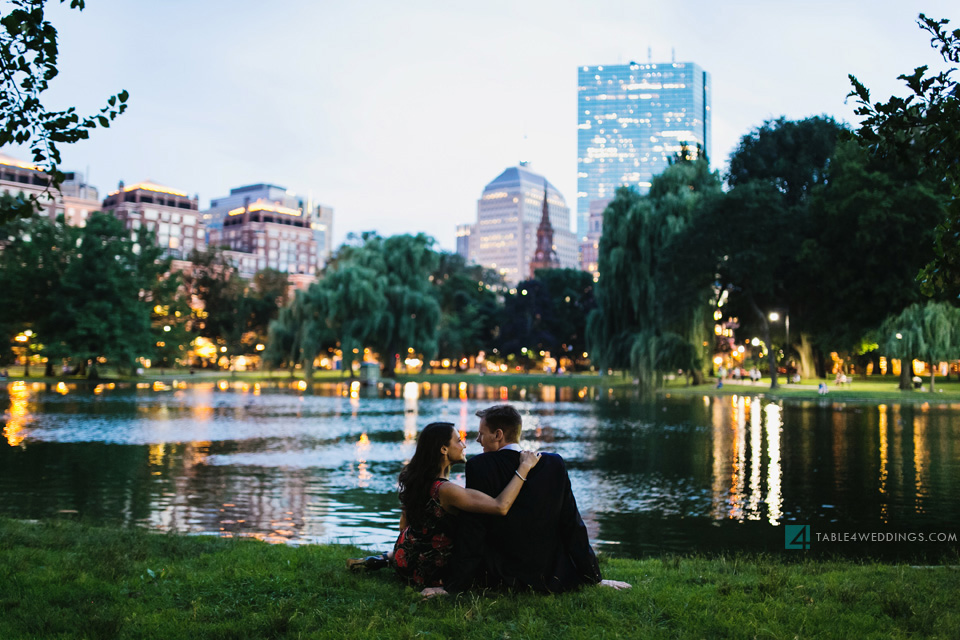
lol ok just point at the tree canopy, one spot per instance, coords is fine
(925, 127)
(29, 55)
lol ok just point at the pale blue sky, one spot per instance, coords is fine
(398, 114)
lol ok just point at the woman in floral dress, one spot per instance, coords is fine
(430, 504)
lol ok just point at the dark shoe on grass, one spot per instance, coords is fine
(370, 563)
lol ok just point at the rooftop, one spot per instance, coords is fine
(521, 177)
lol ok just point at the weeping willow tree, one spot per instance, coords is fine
(377, 293)
(345, 307)
(928, 331)
(649, 319)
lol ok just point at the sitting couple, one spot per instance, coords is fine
(529, 536)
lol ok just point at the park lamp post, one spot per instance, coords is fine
(775, 317)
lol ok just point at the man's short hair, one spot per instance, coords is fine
(505, 418)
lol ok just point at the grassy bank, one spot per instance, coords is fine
(873, 389)
(65, 580)
(877, 389)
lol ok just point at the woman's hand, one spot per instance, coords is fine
(528, 460)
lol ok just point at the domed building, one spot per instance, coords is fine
(509, 213)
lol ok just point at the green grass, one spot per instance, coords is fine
(875, 388)
(878, 388)
(67, 580)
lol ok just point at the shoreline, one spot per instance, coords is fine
(870, 390)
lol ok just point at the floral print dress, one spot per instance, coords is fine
(422, 553)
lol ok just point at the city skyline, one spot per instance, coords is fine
(397, 116)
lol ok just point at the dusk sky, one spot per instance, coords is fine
(398, 114)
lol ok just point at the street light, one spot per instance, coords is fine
(774, 317)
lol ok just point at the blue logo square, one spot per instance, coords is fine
(797, 536)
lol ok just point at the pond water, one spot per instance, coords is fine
(673, 474)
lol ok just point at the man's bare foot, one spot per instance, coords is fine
(615, 584)
(431, 592)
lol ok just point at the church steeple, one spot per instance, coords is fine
(544, 257)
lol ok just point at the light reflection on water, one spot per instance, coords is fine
(274, 462)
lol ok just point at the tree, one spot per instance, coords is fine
(632, 328)
(743, 242)
(524, 323)
(350, 302)
(925, 126)
(33, 262)
(468, 307)
(790, 155)
(930, 331)
(171, 320)
(104, 303)
(874, 217)
(29, 55)
(410, 316)
(571, 296)
(213, 282)
(763, 220)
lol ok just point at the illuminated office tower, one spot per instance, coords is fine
(509, 212)
(633, 118)
(171, 214)
(265, 235)
(319, 217)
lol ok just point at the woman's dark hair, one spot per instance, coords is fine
(418, 476)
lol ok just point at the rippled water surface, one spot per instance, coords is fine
(673, 474)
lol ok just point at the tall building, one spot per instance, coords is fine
(590, 246)
(509, 212)
(78, 200)
(463, 239)
(633, 118)
(169, 213)
(261, 235)
(319, 217)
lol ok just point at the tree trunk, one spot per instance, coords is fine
(805, 351)
(933, 376)
(820, 364)
(308, 373)
(93, 374)
(48, 372)
(774, 384)
(906, 377)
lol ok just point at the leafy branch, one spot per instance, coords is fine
(28, 62)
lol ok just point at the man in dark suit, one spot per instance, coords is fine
(542, 543)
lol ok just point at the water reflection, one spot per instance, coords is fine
(272, 461)
(17, 415)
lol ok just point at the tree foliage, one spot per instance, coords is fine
(929, 331)
(29, 56)
(925, 126)
(871, 232)
(88, 293)
(633, 327)
(746, 240)
(468, 307)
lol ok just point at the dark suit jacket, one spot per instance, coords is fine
(541, 543)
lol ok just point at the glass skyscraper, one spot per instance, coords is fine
(632, 119)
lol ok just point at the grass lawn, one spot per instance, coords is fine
(66, 580)
(875, 388)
